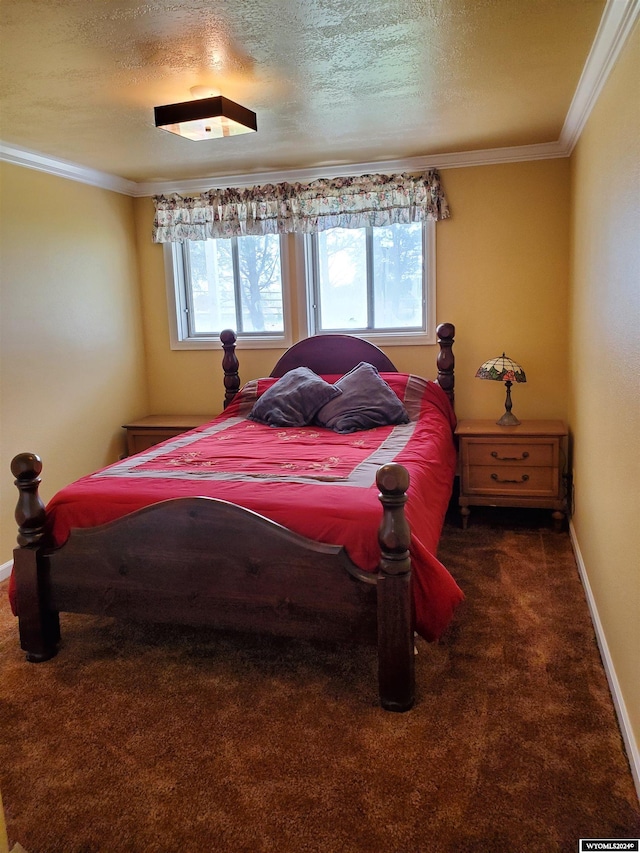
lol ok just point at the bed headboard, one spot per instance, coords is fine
(332, 355)
(335, 355)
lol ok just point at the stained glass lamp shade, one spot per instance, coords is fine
(503, 369)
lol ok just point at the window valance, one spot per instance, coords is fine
(351, 202)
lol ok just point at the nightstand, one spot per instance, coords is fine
(517, 466)
(146, 432)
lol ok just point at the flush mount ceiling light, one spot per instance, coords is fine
(206, 118)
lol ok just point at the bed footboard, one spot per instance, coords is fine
(203, 561)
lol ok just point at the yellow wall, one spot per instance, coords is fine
(72, 366)
(502, 270)
(605, 364)
(503, 280)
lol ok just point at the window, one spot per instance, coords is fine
(376, 282)
(234, 283)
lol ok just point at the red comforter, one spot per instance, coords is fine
(311, 480)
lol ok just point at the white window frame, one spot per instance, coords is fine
(392, 337)
(294, 254)
(177, 305)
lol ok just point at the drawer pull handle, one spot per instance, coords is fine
(523, 479)
(525, 455)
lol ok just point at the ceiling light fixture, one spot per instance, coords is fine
(206, 118)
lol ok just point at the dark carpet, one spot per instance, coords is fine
(147, 739)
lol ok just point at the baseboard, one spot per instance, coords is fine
(633, 753)
(5, 570)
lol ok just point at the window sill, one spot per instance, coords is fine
(396, 339)
(242, 343)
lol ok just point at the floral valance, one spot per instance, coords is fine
(283, 208)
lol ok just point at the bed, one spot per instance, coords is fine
(310, 527)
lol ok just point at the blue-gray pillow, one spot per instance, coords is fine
(366, 402)
(294, 399)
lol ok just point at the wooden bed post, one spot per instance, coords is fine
(39, 627)
(230, 365)
(396, 666)
(446, 359)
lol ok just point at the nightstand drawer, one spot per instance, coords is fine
(530, 453)
(511, 480)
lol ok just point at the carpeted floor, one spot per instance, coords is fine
(142, 739)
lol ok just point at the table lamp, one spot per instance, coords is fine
(505, 370)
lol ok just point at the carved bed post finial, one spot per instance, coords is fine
(39, 627)
(30, 511)
(230, 365)
(446, 359)
(396, 671)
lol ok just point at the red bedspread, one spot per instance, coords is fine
(311, 480)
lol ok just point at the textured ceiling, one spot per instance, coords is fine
(333, 82)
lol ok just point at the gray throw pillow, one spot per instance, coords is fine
(366, 402)
(294, 399)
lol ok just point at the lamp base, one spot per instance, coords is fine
(508, 420)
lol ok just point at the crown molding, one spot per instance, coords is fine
(492, 156)
(618, 19)
(482, 157)
(456, 160)
(64, 169)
